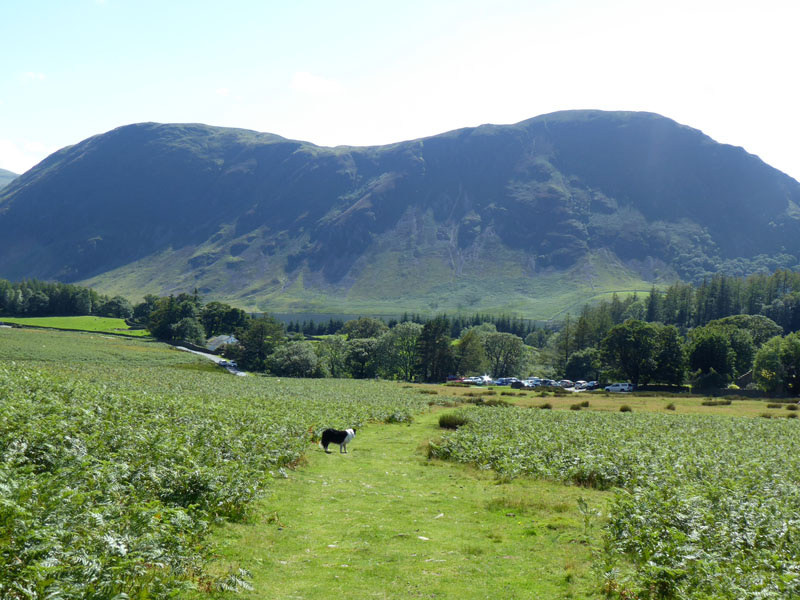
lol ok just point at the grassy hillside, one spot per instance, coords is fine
(528, 218)
(393, 282)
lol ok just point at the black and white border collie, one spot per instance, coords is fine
(335, 436)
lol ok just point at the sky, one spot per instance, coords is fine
(381, 71)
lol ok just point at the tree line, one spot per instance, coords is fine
(710, 335)
(455, 323)
(47, 298)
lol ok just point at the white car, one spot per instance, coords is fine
(619, 387)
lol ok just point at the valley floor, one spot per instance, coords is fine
(383, 521)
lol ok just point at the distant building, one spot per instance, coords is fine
(220, 340)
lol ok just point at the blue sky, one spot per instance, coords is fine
(362, 73)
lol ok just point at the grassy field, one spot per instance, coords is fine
(129, 467)
(86, 323)
(681, 404)
(383, 521)
(116, 456)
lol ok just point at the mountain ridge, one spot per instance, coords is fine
(593, 199)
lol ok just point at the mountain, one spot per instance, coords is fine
(527, 218)
(6, 177)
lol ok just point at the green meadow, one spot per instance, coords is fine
(85, 323)
(129, 469)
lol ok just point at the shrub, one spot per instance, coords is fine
(792, 407)
(433, 392)
(546, 406)
(452, 420)
(720, 402)
(774, 405)
(574, 406)
(766, 415)
(791, 416)
(670, 406)
(625, 408)
(496, 402)
(585, 404)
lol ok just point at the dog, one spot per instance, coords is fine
(335, 436)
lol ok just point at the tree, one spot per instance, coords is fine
(397, 349)
(37, 304)
(168, 311)
(189, 329)
(777, 365)
(505, 353)
(219, 318)
(332, 352)
(364, 327)
(141, 312)
(433, 350)
(712, 360)
(583, 364)
(744, 350)
(761, 328)
(670, 356)
(117, 307)
(538, 338)
(257, 341)
(295, 359)
(361, 359)
(630, 349)
(767, 367)
(469, 355)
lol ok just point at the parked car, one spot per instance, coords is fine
(533, 382)
(566, 383)
(591, 385)
(619, 387)
(473, 380)
(580, 384)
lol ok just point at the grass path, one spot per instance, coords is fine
(385, 522)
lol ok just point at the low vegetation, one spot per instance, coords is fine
(706, 506)
(117, 455)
